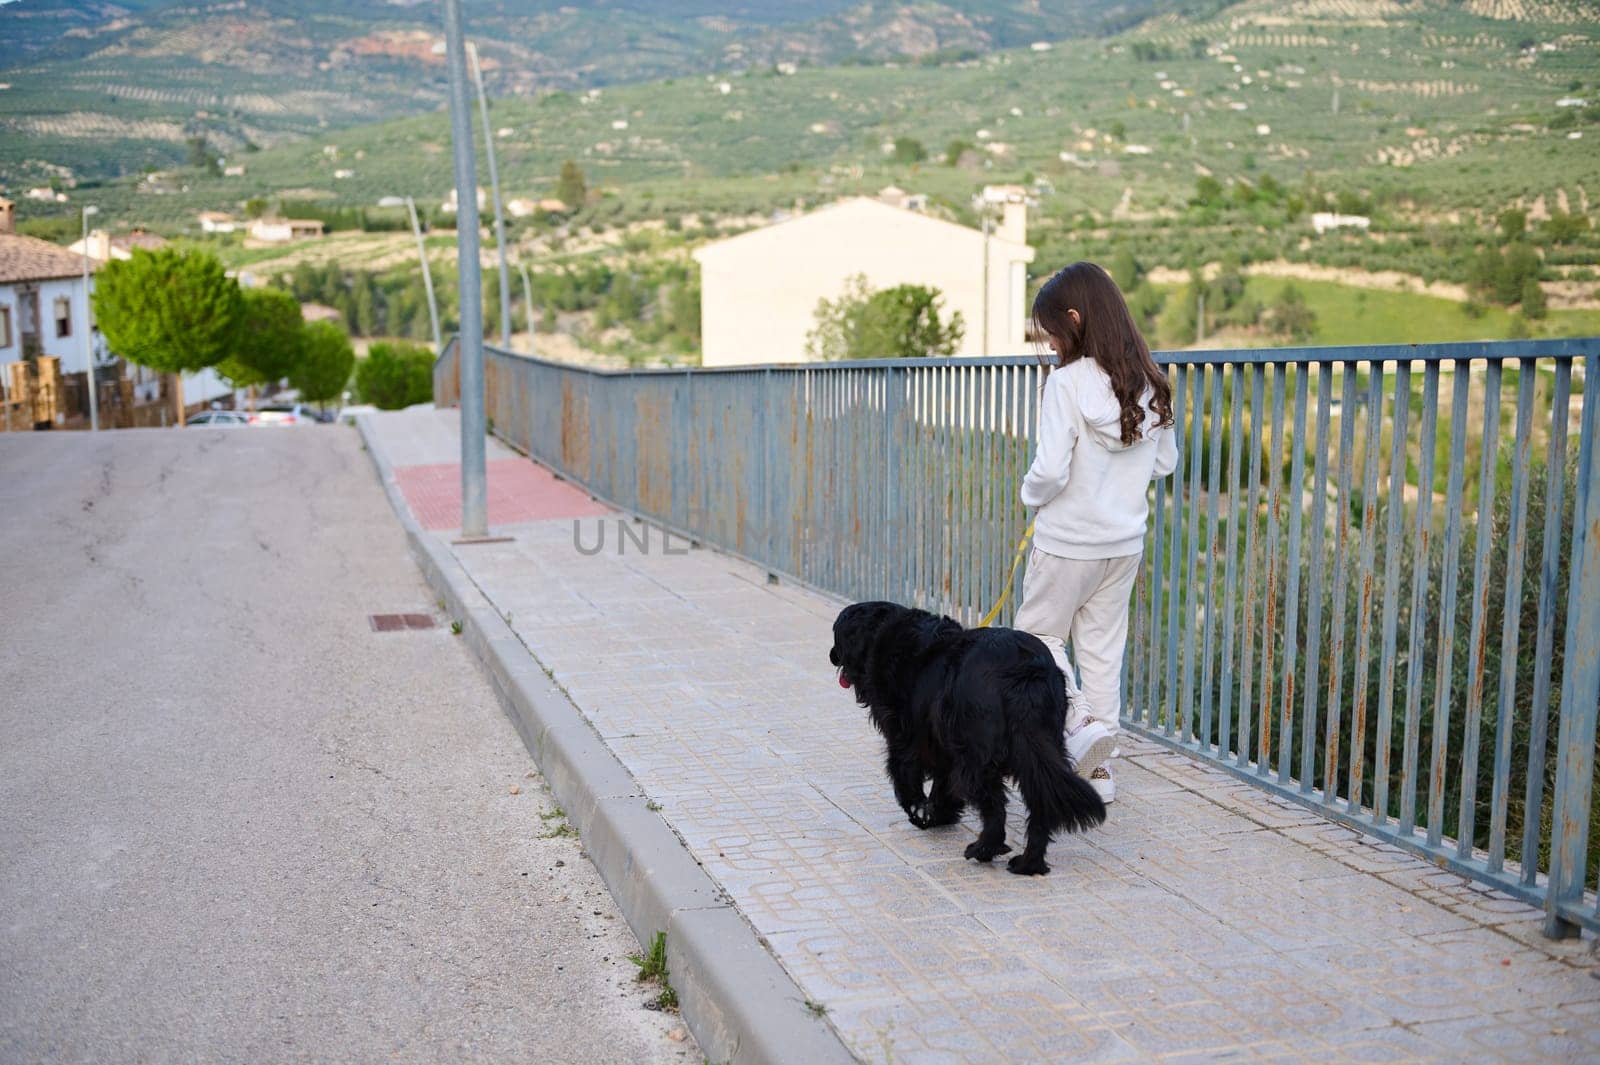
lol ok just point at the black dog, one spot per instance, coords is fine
(967, 707)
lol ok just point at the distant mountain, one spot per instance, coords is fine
(98, 88)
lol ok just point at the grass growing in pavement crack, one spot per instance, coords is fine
(562, 830)
(817, 1009)
(653, 969)
(653, 806)
(455, 628)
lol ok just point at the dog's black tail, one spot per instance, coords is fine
(1057, 796)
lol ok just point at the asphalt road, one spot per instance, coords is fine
(236, 824)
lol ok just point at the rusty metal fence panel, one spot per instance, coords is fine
(1372, 585)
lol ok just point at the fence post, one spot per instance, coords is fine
(1580, 691)
(892, 406)
(764, 490)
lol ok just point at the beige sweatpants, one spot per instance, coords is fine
(1085, 601)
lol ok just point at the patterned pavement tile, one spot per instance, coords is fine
(1206, 921)
(516, 491)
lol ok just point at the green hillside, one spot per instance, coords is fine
(1439, 107)
(98, 89)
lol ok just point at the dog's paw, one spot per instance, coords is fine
(939, 816)
(1023, 865)
(979, 851)
(920, 814)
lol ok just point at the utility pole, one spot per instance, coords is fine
(427, 275)
(474, 502)
(88, 330)
(986, 225)
(499, 208)
(527, 300)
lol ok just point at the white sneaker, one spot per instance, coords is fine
(1104, 783)
(1089, 745)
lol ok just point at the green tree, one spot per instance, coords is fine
(838, 321)
(172, 311)
(326, 358)
(955, 150)
(1126, 270)
(1207, 192)
(1513, 222)
(903, 322)
(304, 282)
(895, 323)
(364, 300)
(268, 341)
(393, 376)
(1563, 228)
(572, 187)
(255, 207)
(1292, 316)
(909, 150)
(202, 157)
(683, 312)
(1518, 266)
(1533, 302)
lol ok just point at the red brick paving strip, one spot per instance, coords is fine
(519, 491)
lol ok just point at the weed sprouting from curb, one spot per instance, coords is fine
(562, 829)
(653, 969)
(653, 806)
(455, 628)
(817, 1009)
(550, 674)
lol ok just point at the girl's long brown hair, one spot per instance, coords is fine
(1106, 333)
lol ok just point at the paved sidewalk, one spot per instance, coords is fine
(1206, 920)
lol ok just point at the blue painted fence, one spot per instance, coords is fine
(1372, 585)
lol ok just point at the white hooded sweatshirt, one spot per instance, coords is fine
(1089, 487)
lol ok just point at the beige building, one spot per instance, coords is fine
(284, 231)
(759, 290)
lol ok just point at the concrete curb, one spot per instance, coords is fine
(737, 1000)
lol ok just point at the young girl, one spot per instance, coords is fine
(1105, 432)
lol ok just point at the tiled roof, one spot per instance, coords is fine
(31, 259)
(138, 239)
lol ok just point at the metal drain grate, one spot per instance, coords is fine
(399, 622)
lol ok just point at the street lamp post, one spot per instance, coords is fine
(427, 275)
(527, 299)
(499, 208)
(88, 330)
(474, 496)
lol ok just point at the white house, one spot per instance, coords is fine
(283, 231)
(1326, 221)
(44, 310)
(216, 222)
(105, 246)
(759, 290)
(44, 306)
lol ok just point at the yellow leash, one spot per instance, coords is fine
(1005, 593)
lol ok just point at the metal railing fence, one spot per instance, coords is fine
(1372, 585)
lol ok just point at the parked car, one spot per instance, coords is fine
(220, 419)
(274, 415)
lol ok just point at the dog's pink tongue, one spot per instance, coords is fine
(842, 682)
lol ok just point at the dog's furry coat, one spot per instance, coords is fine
(967, 708)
